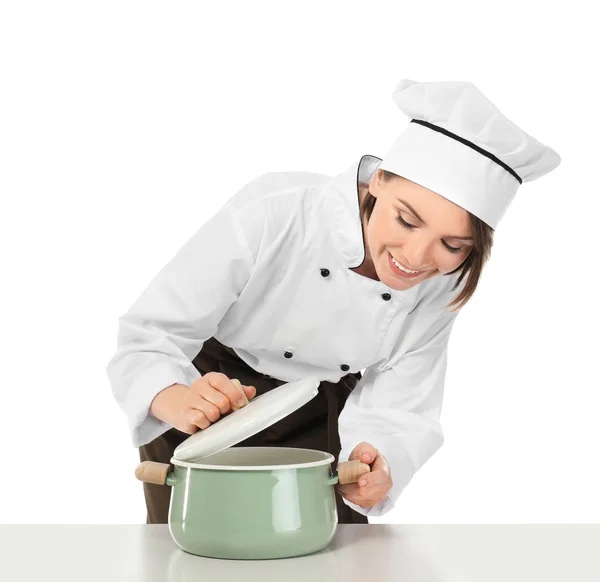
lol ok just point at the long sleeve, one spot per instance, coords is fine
(397, 409)
(163, 331)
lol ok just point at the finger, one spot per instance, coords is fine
(348, 488)
(366, 452)
(381, 463)
(373, 479)
(224, 396)
(242, 394)
(250, 391)
(223, 384)
(188, 428)
(210, 410)
(365, 496)
(197, 418)
(247, 392)
(206, 393)
(184, 425)
(202, 389)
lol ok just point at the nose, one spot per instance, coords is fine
(416, 254)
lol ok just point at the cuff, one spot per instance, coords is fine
(376, 511)
(142, 425)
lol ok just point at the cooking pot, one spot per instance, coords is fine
(252, 502)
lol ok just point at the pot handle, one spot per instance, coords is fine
(349, 472)
(152, 472)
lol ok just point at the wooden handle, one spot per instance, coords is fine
(151, 472)
(351, 471)
(238, 385)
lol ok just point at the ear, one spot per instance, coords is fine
(375, 183)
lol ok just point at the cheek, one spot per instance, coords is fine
(379, 234)
(447, 262)
(386, 231)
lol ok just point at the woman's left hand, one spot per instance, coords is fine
(377, 483)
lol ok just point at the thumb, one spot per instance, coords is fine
(366, 452)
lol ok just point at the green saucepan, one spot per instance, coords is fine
(253, 502)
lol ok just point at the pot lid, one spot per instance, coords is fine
(260, 412)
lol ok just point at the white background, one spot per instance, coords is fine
(125, 125)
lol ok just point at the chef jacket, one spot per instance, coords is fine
(269, 274)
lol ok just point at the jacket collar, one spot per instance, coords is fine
(341, 200)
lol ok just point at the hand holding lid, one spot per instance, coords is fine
(260, 413)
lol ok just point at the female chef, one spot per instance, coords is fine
(301, 274)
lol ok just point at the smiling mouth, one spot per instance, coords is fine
(403, 269)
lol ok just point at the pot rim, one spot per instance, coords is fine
(327, 460)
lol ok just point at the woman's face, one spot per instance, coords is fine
(433, 240)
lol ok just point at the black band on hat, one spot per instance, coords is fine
(470, 144)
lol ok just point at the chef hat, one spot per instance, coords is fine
(460, 145)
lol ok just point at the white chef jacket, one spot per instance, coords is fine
(269, 275)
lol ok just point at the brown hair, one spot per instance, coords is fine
(472, 266)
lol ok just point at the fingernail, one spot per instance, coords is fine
(367, 458)
(239, 403)
(362, 483)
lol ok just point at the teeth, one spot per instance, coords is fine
(402, 268)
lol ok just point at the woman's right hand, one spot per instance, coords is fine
(203, 403)
(210, 397)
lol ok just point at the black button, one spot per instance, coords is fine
(325, 272)
(288, 354)
(387, 296)
(345, 367)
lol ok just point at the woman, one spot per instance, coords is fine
(301, 274)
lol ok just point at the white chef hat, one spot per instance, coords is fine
(460, 145)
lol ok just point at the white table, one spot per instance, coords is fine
(374, 552)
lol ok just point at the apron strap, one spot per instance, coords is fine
(332, 418)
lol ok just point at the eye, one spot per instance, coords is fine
(404, 223)
(452, 249)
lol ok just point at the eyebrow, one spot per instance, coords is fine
(421, 220)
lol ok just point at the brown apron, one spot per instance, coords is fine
(313, 426)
